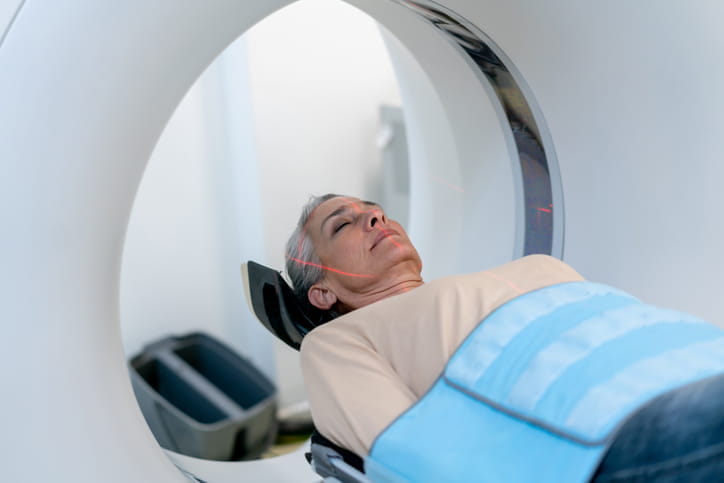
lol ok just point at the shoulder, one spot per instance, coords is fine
(541, 260)
(521, 275)
(331, 339)
(543, 269)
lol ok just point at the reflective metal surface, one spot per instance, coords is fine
(539, 192)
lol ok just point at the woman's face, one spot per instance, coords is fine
(360, 249)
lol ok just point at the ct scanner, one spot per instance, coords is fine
(622, 98)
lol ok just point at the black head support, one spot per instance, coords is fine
(277, 307)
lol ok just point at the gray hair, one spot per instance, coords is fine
(303, 265)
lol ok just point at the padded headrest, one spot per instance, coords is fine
(273, 302)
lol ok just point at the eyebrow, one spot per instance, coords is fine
(342, 209)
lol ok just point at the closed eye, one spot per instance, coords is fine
(340, 226)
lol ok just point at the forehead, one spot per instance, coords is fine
(321, 212)
(331, 205)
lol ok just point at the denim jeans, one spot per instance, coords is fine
(677, 437)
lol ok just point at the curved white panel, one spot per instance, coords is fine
(86, 89)
(8, 9)
(291, 467)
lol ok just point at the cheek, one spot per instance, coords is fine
(344, 251)
(397, 227)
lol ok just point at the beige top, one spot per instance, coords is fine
(367, 367)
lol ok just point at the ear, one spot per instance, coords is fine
(321, 297)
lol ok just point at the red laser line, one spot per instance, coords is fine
(447, 183)
(387, 235)
(506, 281)
(328, 268)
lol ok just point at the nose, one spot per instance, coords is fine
(374, 217)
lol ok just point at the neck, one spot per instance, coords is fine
(356, 300)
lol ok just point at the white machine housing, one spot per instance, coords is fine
(630, 95)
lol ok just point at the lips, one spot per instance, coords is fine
(381, 236)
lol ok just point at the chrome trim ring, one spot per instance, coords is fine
(539, 194)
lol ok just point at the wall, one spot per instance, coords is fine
(290, 109)
(195, 219)
(317, 86)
